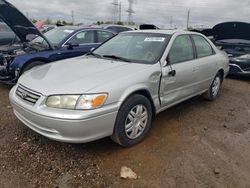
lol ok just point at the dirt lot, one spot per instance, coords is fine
(195, 144)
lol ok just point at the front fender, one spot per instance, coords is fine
(133, 89)
(21, 60)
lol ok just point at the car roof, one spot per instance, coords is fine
(77, 28)
(168, 32)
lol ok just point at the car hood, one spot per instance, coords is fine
(78, 75)
(20, 25)
(232, 30)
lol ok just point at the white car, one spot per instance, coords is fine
(118, 88)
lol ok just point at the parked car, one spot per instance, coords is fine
(47, 28)
(147, 27)
(118, 88)
(7, 36)
(208, 32)
(59, 43)
(117, 28)
(234, 38)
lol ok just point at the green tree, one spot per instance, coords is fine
(48, 21)
(120, 23)
(64, 22)
(34, 21)
(58, 22)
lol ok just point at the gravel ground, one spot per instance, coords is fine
(194, 144)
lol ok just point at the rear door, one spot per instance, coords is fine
(207, 62)
(103, 36)
(178, 76)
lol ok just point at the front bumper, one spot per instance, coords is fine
(65, 125)
(236, 70)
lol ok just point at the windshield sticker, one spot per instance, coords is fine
(154, 39)
(68, 31)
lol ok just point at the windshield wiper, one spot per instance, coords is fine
(94, 54)
(117, 57)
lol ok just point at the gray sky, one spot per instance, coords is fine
(159, 12)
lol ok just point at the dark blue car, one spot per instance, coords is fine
(57, 44)
(234, 38)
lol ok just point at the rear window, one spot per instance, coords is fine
(203, 48)
(119, 29)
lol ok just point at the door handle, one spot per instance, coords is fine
(172, 73)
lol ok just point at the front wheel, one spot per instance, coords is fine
(133, 121)
(214, 89)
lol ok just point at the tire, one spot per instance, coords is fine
(214, 89)
(133, 121)
(32, 65)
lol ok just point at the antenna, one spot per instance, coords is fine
(130, 12)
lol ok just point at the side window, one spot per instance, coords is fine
(202, 46)
(182, 50)
(83, 37)
(103, 36)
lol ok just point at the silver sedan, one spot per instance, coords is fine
(118, 88)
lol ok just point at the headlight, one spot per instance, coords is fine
(77, 102)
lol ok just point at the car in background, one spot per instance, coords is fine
(234, 39)
(147, 27)
(118, 88)
(117, 28)
(7, 36)
(47, 28)
(56, 44)
(208, 32)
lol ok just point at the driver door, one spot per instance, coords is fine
(79, 44)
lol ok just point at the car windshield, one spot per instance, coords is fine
(134, 47)
(55, 36)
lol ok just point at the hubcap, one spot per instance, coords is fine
(136, 121)
(216, 86)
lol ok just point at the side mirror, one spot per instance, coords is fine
(92, 49)
(72, 45)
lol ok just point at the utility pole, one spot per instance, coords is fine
(120, 12)
(130, 12)
(73, 17)
(188, 17)
(115, 4)
(171, 22)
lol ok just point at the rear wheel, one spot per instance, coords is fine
(133, 121)
(214, 89)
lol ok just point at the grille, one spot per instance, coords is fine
(27, 95)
